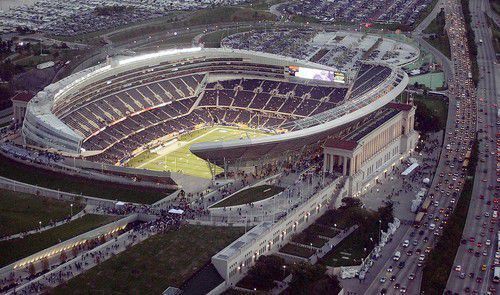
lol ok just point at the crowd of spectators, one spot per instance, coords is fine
(40, 283)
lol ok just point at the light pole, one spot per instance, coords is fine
(379, 229)
(71, 205)
(284, 268)
(40, 224)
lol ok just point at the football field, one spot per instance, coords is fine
(175, 156)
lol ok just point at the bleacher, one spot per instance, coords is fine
(368, 77)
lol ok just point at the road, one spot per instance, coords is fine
(450, 177)
(480, 226)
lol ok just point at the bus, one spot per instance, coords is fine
(465, 164)
(496, 275)
(418, 219)
(467, 155)
(426, 204)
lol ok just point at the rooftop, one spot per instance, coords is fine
(22, 96)
(244, 240)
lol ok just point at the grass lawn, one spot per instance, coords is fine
(348, 252)
(21, 212)
(309, 240)
(150, 267)
(440, 38)
(351, 250)
(297, 250)
(437, 25)
(441, 43)
(178, 157)
(430, 80)
(67, 183)
(16, 249)
(325, 231)
(338, 219)
(436, 105)
(250, 195)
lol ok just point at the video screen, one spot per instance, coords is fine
(315, 74)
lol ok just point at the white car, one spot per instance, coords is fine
(421, 257)
(458, 268)
(488, 242)
(406, 243)
(382, 280)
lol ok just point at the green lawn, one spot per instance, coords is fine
(441, 43)
(437, 106)
(309, 239)
(250, 195)
(150, 267)
(67, 183)
(349, 252)
(326, 231)
(440, 38)
(21, 212)
(437, 25)
(16, 249)
(432, 81)
(177, 157)
(297, 250)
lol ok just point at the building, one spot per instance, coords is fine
(372, 150)
(19, 103)
(94, 113)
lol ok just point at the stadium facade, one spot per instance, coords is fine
(113, 111)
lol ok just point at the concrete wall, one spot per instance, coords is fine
(235, 267)
(52, 253)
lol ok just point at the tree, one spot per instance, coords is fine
(386, 215)
(266, 270)
(351, 202)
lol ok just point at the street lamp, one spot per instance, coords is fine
(284, 268)
(40, 224)
(71, 205)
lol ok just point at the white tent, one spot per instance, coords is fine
(176, 211)
(119, 204)
(410, 169)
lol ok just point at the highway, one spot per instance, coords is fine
(449, 177)
(475, 257)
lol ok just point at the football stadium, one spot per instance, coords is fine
(203, 111)
(217, 137)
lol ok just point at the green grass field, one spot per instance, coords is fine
(250, 195)
(16, 249)
(21, 212)
(177, 156)
(150, 267)
(431, 80)
(79, 185)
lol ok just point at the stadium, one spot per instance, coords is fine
(178, 110)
